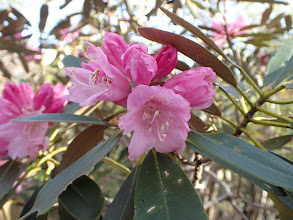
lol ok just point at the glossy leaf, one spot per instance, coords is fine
(194, 30)
(29, 205)
(49, 193)
(213, 109)
(81, 144)
(9, 173)
(191, 49)
(196, 124)
(182, 66)
(71, 61)
(277, 142)
(163, 191)
(63, 117)
(83, 199)
(122, 208)
(280, 66)
(260, 167)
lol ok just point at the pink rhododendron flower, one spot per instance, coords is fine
(233, 27)
(166, 61)
(195, 85)
(158, 118)
(114, 47)
(97, 80)
(20, 101)
(139, 66)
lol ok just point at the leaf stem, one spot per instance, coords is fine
(256, 142)
(114, 163)
(244, 95)
(232, 100)
(270, 123)
(281, 102)
(228, 121)
(284, 118)
(272, 92)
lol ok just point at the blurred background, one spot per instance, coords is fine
(39, 38)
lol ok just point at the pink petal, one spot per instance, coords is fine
(21, 95)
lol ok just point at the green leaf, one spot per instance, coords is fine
(191, 49)
(260, 167)
(280, 66)
(29, 205)
(122, 207)
(277, 142)
(63, 117)
(49, 193)
(71, 61)
(83, 199)
(163, 191)
(9, 173)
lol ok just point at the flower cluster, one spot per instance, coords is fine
(19, 140)
(157, 115)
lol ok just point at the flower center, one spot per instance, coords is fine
(95, 79)
(157, 121)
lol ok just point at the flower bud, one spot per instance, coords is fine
(139, 66)
(195, 85)
(166, 61)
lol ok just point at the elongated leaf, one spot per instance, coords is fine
(280, 66)
(83, 199)
(196, 124)
(81, 144)
(191, 49)
(122, 208)
(182, 66)
(29, 205)
(71, 61)
(63, 117)
(266, 15)
(286, 213)
(9, 172)
(277, 142)
(213, 109)
(163, 191)
(49, 193)
(43, 17)
(194, 30)
(260, 167)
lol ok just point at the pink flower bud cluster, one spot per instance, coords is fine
(19, 140)
(157, 115)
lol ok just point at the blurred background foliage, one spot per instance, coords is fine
(39, 38)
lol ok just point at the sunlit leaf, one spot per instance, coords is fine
(49, 193)
(277, 142)
(71, 61)
(194, 30)
(62, 117)
(260, 167)
(280, 66)
(213, 109)
(191, 49)
(163, 191)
